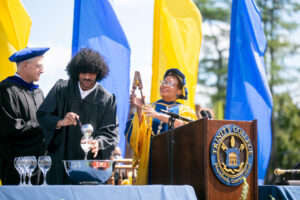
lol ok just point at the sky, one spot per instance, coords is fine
(52, 26)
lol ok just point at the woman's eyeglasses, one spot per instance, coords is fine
(167, 83)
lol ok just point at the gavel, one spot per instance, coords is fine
(137, 82)
(278, 171)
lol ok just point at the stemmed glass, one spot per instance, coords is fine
(31, 164)
(25, 164)
(44, 163)
(86, 145)
(22, 161)
(19, 168)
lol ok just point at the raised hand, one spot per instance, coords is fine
(69, 119)
(135, 101)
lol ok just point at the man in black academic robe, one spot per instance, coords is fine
(82, 98)
(20, 134)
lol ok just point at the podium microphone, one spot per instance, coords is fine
(203, 113)
(206, 113)
(174, 115)
(209, 114)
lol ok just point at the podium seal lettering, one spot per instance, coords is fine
(231, 155)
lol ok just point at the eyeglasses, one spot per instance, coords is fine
(167, 83)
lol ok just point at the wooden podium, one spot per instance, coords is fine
(189, 154)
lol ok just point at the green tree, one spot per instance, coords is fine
(279, 22)
(287, 126)
(214, 51)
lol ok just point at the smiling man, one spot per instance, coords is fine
(82, 98)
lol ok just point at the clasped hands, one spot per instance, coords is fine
(70, 119)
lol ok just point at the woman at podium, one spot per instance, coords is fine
(150, 119)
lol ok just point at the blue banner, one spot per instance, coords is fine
(96, 26)
(248, 94)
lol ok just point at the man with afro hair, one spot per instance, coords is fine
(79, 98)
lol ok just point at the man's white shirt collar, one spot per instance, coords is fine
(16, 74)
(84, 93)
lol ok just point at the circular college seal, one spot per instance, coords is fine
(231, 155)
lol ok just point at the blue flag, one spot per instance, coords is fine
(96, 26)
(248, 94)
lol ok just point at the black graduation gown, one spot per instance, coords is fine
(97, 109)
(20, 134)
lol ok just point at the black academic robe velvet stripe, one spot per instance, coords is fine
(20, 134)
(97, 109)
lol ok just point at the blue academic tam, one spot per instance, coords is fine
(28, 53)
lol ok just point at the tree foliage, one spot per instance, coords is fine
(287, 117)
(279, 19)
(214, 51)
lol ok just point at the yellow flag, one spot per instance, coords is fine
(176, 43)
(14, 33)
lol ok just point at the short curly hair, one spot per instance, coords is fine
(87, 61)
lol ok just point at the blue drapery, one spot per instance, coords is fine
(96, 26)
(248, 94)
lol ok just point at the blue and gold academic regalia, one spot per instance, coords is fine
(139, 136)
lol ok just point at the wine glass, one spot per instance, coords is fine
(25, 164)
(17, 164)
(22, 161)
(86, 145)
(31, 164)
(44, 163)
